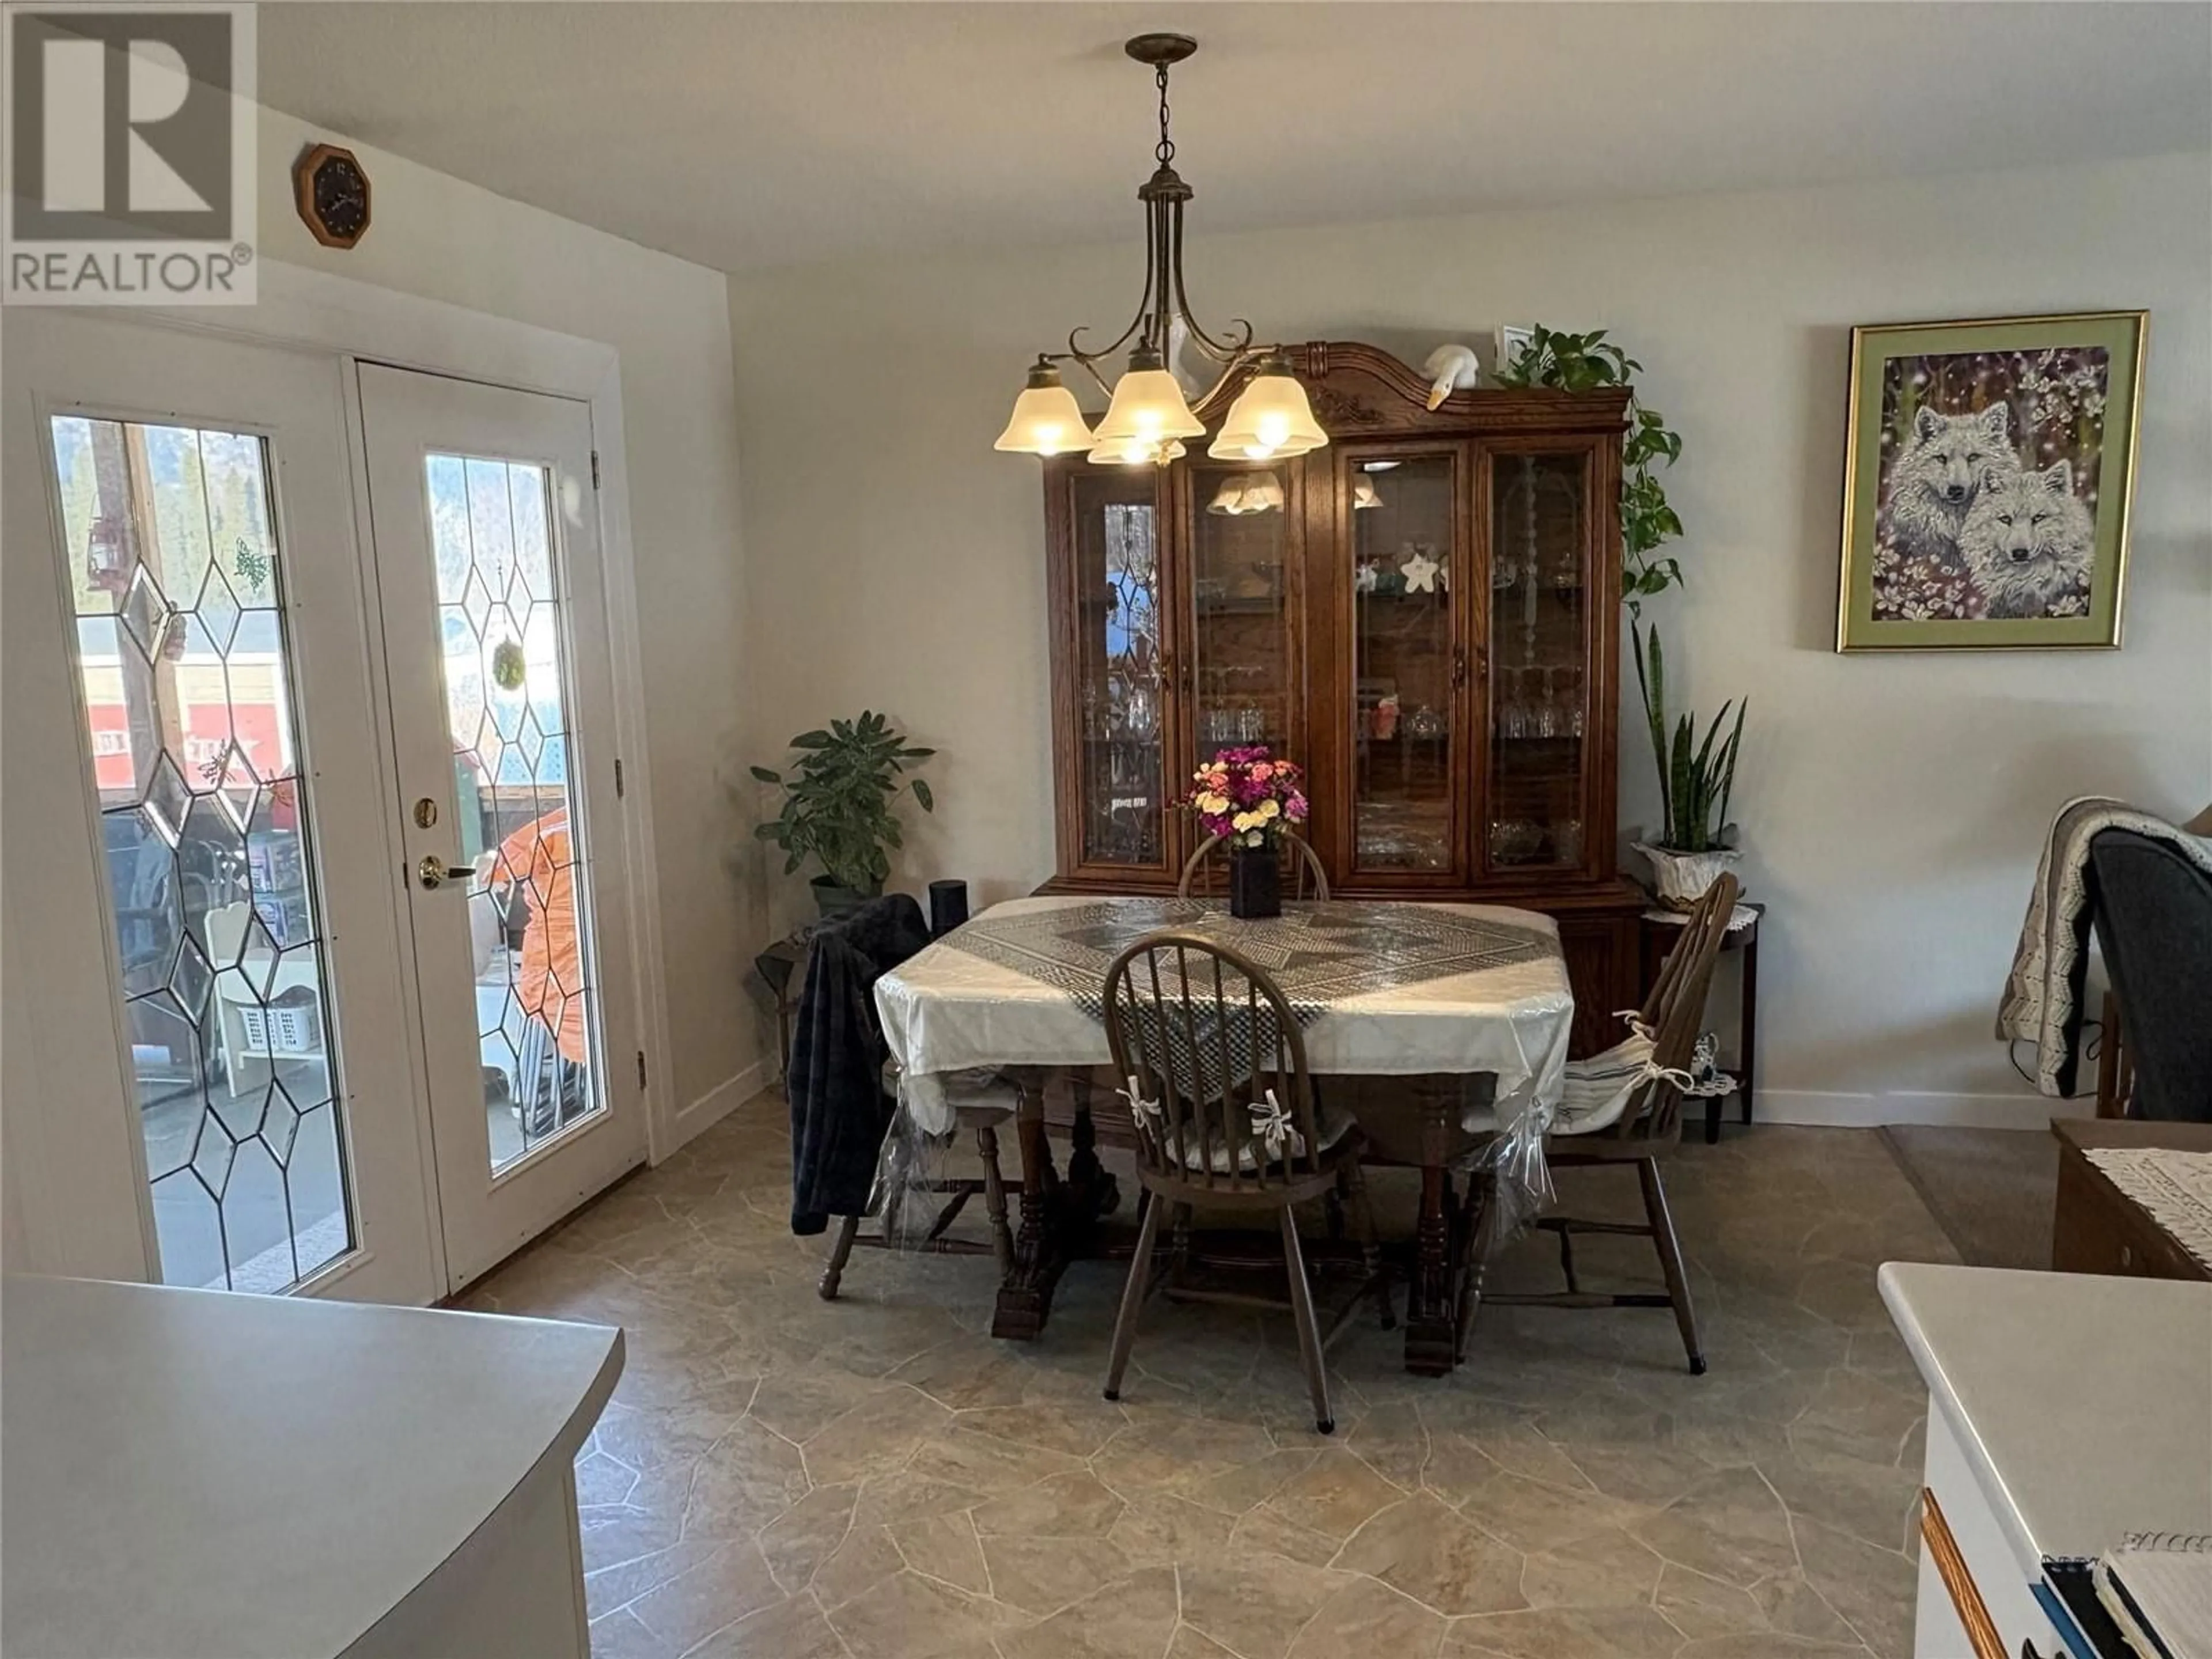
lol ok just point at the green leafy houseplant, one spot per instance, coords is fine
(1695, 778)
(1585, 362)
(837, 799)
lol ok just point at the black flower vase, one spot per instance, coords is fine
(1255, 884)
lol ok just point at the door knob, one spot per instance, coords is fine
(434, 871)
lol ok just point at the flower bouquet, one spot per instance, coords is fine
(1250, 799)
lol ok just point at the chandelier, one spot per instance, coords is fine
(1147, 416)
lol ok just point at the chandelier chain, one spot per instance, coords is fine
(1164, 151)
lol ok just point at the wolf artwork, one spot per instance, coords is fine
(1988, 484)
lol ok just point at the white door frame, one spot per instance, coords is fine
(340, 317)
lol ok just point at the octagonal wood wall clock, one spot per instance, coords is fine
(331, 190)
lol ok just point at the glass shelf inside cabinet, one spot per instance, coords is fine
(1403, 643)
(1539, 655)
(1121, 684)
(1240, 634)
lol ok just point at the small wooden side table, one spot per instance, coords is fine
(1661, 928)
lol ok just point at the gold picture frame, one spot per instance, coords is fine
(1988, 478)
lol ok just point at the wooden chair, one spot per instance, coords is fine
(1649, 1125)
(979, 1107)
(1206, 874)
(1215, 1066)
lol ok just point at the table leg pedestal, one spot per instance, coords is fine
(1431, 1333)
(1040, 1252)
(1056, 1215)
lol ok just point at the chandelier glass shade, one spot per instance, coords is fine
(1248, 492)
(1148, 412)
(1046, 420)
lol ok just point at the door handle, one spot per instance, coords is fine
(434, 871)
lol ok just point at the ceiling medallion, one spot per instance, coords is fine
(1147, 416)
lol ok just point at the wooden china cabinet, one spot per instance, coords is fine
(1425, 613)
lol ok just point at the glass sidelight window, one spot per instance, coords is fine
(178, 586)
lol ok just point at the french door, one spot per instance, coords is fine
(201, 937)
(316, 945)
(500, 676)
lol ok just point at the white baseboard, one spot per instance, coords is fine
(1843, 1111)
(717, 1103)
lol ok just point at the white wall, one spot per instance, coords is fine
(1892, 805)
(437, 236)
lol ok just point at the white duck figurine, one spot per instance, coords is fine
(1450, 368)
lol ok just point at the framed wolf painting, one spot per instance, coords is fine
(1987, 478)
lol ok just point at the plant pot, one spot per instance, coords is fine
(1679, 879)
(1255, 884)
(832, 899)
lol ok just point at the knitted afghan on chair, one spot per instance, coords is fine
(2043, 994)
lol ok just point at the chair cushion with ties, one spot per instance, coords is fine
(1271, 1138)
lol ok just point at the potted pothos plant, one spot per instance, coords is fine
(1694, 842)
(837, 799)
(1695, 781)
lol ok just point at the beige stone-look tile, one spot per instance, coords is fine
(1872, 1588)
(1255, 1606)
(1158, 1528)
(718, 1590)
(1263, 1529)
(865, 1558)
(1574, 1445)
(798, 1541)
(790, 1629)
(1043, 1574)
(1700, 1607)
(875, 1437)
(1334, 1495)
(1769, 1646)
(1564, 1633)
(609, 1588)
(1864, 1499)
(1078, 1431)
(1074, 1504)
(985, 1463)
(1423, 1548)
(618, 1635)
(1605, 1568)
(908, 1616)
(945, 1546)
(1730, 1527)
(747, 1480)
(1365, 1617)
(1130, 1618)
(801, 1404)
(1188, 1643)
(1533, 1516)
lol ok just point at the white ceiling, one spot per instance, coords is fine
(743, 135)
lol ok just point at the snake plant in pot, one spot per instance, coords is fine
(837, 803)
(1695, 781)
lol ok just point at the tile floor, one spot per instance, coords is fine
(781, 1478)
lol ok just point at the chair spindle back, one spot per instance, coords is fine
(1207, 873)
(1203, 1039)
(1674, 1012)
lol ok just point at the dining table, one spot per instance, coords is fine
(1447, 1024)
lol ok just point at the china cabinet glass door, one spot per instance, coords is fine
(1122, 685)
(1241, 648)
(1409, 669)
(1536, 804)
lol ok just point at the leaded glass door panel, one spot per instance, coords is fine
(1121, 725)
(202, 948)
(497, 645)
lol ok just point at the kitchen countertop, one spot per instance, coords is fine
(193, 1472)
(2083, 1402)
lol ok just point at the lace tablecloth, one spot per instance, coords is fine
(2173, 1187)
(1381, 989)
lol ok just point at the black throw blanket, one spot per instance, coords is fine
(839, 1112)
